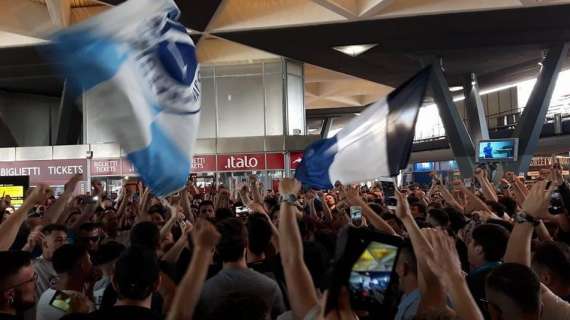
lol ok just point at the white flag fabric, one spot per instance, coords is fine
(375, 144)
(136, 65)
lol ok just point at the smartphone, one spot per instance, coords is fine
(467, 183)
(61, 301)
(364, 263)
(556, 204)
(242, 210)
(391, 203)
(356, 215)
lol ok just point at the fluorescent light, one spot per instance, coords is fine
(455, 88)
(355, 50)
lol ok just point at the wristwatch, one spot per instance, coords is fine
(289, 199)
(524, 217)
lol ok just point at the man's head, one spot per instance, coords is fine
(157, 214)
(89, 236)
(407, 268)
(259, 234)
(55, 236)
(130, 280)
(206, 209)
(418, 209)
(488, 243)
(145, 234)
(73, 261)
(110, 222)
(513, 292)
(438, 218)
(17, 281)
(551, 262)
(108, 253)
(231, 247)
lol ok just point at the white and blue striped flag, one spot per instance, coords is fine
(136, 65)
(377, 143)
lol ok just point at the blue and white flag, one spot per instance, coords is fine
(136, 66)
(375, 144)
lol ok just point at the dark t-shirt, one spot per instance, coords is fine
(4, 316)
(116, 313)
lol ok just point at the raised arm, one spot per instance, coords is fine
(486, 186)
(173, 254)
(302, 293)
(9, 228)
(54, 212)
(375, 220)
(443, 260)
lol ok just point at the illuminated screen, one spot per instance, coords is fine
(15, 187)
(371, 274)
(498, 150)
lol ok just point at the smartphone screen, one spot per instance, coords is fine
(371, 274)
(61, 301)
(356, 215)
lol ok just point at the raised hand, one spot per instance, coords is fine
(403, 207)
(39, 194)
(289, 186)
(443, 260)
(205, 235)
(538, 199)
(72, 183)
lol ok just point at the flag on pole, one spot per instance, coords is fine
(136, 66)
(377, 143)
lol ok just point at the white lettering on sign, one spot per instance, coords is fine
(25, 171)
(198, 163)
(241, 162)
(65, 170)
(107, 166)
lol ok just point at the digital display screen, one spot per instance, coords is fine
(15, 188)
(498, 150)
(371, 274)
(423, 166)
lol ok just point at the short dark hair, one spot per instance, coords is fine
(205, 203)
(224, 213)
(498, 208)
(510, 205)
(259, 233)
(233, 240)
(145, 234)
(158, 208)
(554, 256)
(408, 255)
(12, 262)
(440, 216)
(136, 273)
(49, 228)
(66, 258)
(456, 219)
(493, 239)
(108, 252)
(421, 207)
(517, 282)
(89, 226)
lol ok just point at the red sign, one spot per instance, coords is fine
(127, 168)
(52, 172)
(295, 159)
(275, 161)
(202, 163)
(108, 167)
(241, 162)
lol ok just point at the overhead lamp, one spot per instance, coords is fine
(356, 49)
(455, 88)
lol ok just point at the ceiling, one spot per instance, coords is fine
(501, 40)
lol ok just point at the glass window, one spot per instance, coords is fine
(208, 109)
(315, 126)
(273, 104)
(295, 107)
(240, 106)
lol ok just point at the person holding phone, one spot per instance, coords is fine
(74, 289)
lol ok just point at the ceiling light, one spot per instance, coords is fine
(455, 88)
(355, 50)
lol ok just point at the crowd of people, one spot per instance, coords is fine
(483, 251)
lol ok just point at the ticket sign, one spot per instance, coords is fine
(108, 167)
(204, 163)
(241, 162)
(45, 171)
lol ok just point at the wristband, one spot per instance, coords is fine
(288, 199)
(524, 217)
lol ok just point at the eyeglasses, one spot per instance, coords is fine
(33, 279)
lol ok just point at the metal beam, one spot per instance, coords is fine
(477, 122)
(459, 139)
(70, 120)
(532, 119)
(332, 112)
(327, 125)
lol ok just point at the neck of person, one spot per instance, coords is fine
(252, 257)
(69, 282)
(409, 284)
(238, 264)
(146, 303)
